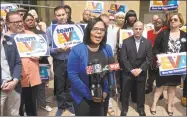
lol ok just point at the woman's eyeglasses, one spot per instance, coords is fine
(96, 29)
(174, 19)
(112, 19)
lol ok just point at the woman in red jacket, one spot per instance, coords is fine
(151, 35)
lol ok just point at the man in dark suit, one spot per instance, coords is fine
(135, 57)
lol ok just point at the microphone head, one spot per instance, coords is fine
(97, 66)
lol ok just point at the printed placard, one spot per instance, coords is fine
(148, 27)
(95, 6)
(114, 8)
(32, 45)
(161, 5)
(183, 28)
(66, 35)
(124, 34)
(44, 71)
(83, 26)
(5, 8)
(172, 64)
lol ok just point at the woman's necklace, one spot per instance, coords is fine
(93, 49)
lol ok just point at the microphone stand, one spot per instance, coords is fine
(116, 91)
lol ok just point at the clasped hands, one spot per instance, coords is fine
(136, 72)
(9, 86)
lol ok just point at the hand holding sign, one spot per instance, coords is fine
(35, 58)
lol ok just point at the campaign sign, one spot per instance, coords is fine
(83, 26)
(148, 27)
(44, 71)
(161, 5)
(5, 8)
(124, 34)
(172, 64)
(114, 8)
(31, 45)
(66, 35)
(95, 6)
(183, 28)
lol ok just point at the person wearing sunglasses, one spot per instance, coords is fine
(171, 40)
(111, 19)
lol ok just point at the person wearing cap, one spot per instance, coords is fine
(69, 11)
(39, 24)
(21, 11)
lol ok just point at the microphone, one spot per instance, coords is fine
(109, 64)
(91, 79)
(94, 71)
(97, 67)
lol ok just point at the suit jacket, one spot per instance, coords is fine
(131, 59)
(77, 63)
(161, 42)
(13, 59)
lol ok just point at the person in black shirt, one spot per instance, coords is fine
(86, 16)
(94, 47)
(68, 11)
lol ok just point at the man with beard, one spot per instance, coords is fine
(86, 16)
(60, 56)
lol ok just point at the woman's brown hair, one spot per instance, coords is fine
(180, 17)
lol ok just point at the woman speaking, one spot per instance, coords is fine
(93, 48)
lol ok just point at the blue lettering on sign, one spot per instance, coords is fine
(122, 8)
(182, 62)
(99, 7)
(25, 39)
(44, 73)
(64, 30)
(74, 36)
